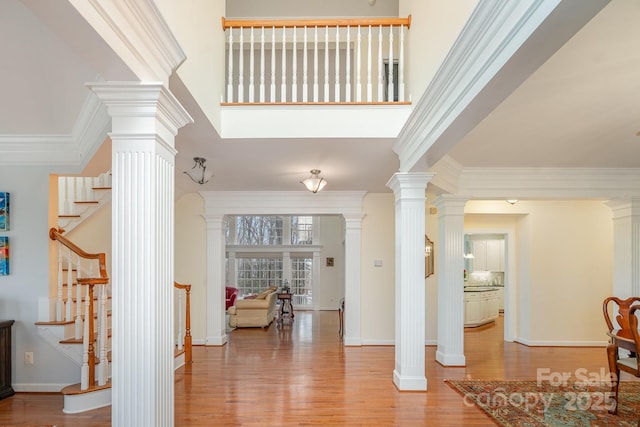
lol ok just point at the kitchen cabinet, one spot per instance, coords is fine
(488, 255)
(481, 306)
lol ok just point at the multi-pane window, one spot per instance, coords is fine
(256, 274)
(301, 230)
(302, 280)
(259, 230)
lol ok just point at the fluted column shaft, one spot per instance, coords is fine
(145, 120)
(450, 350)
(626, 247)
(216, 327)
(352, 251)
(409, 190)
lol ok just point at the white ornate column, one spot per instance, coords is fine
(216, 328)
(626, 247)
(145, 119)
(450, 350)
(409, 190)
(352, 252)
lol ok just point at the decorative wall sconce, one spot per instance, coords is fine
(429, 256)
(199, 173)
(315, 182)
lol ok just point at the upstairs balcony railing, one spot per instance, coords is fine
(316, 61)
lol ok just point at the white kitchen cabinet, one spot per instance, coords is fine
(481, 307)
(488, 255)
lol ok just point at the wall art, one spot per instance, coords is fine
(4, 211)
(4, 255)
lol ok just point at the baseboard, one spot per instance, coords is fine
(38, 387)
(541, 343)
(378, 342)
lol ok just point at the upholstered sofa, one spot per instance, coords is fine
(254, 312)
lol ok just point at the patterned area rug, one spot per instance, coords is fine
(527, 403)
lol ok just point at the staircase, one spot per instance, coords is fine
(76, 317)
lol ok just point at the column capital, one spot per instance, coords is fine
(408, 181)
(622, 208)
(126, 100)
(450, 204)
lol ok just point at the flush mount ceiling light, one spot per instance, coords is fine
(512, 201)
(314, 183)
(199, 173)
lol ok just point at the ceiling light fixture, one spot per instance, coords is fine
(512, 201)
(199, 173)
(314, 183)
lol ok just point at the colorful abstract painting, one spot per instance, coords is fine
(4, 211)
(4, 255)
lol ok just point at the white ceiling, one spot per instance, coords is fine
(580, 109)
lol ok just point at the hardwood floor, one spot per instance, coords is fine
(301, 374)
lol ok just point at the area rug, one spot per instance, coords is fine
(533, 404)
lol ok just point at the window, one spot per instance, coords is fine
(302, 280)
(258, 230)
(301, 230)
(386, 81)
(256, 274)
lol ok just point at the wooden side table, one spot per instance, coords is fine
(5, 359)
(286, 308)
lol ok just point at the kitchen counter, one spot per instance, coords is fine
(481, 305)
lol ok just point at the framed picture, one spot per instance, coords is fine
(4, 255)
(330, 262)
(429, 256)
(4, 211)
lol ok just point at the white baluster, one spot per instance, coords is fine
(241, 66)
(251, 68)
(305, 84)
(336, 96)
(103, 372)
(283, 83)
(326, 65)
(272, 97)
(294, 81)
(230, 78)
(347, 87)
(315, 65)
(380, 67)
(369, 86)
(84, 376)
(390, 83)
(59, 301)
(262, 65)
(78, 316)
(69, 184)
(68, 305)
(181, 327)
(401, 67)
(62, 196)
(358, 67)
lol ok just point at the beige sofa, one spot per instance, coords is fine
(257, 312)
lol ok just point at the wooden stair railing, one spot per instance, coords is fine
(187, 342)
(91, 335)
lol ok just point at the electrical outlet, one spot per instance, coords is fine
(28, 358)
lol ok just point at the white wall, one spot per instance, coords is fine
(190, 258)
(378, 283)
(331, 278)
(198, 29)
(564, 266)
(435, 24)
(301, 9)
(28, 281)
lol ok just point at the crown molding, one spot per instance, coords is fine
(447, 174)
(137, 32)
(220, 203)
(75, 149)
(549, 183)
(502, 43)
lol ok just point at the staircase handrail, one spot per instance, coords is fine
(56, 234)
(331, 23)
(188, 358)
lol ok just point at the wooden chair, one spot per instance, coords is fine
(625, 337)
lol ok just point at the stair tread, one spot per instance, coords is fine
(75, 388)
(101, 188)
(53, 322)
(68, 216)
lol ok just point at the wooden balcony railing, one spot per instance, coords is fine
(316, 61)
